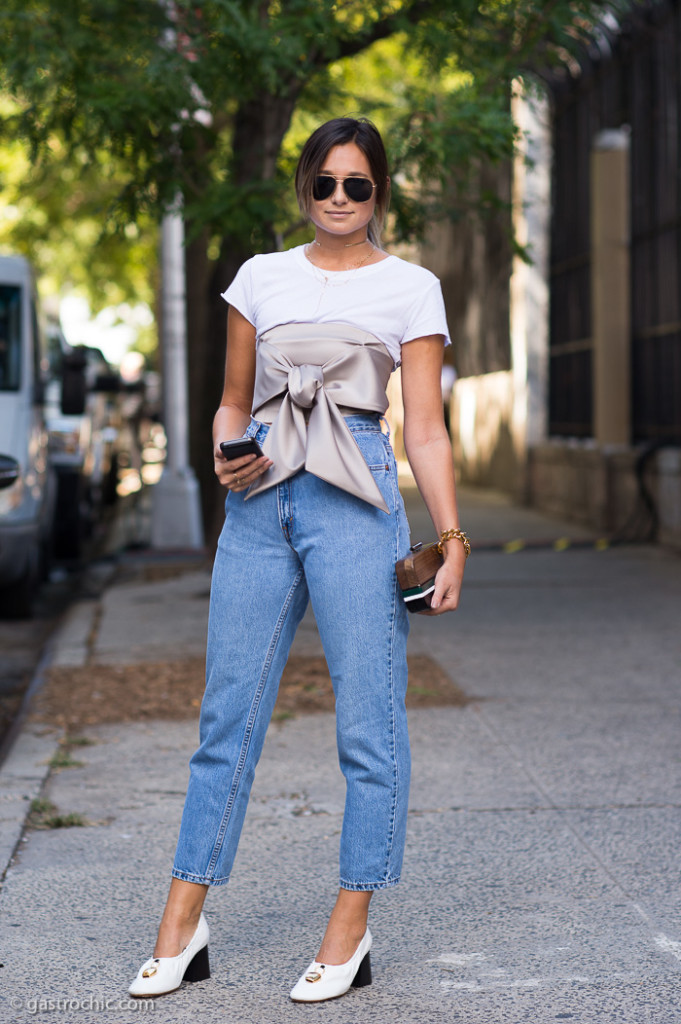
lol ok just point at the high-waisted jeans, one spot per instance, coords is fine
(306, 540)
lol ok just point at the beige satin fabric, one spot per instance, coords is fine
(304, 372)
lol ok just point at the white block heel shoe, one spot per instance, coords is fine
(162, 974)
(328, 981)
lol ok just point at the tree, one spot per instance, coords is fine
(205, 97)
(60, 216)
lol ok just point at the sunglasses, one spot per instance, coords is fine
(358, 190)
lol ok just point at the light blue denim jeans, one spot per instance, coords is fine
(306, 540)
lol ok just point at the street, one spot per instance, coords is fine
(315, 213)
(541, 881)
(21, 647)
(24, 642)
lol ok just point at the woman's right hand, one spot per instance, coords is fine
(238, 474)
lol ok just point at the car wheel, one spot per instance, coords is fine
(17, 600)
(73, 517)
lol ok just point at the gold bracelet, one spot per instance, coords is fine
(455, 535)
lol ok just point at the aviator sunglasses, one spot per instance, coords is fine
(358, 190)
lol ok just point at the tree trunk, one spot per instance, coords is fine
(198, 271)
(259, 127)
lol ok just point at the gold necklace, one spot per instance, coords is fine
(343, 270)
(338, 284)
(347, 245)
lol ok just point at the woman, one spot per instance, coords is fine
(313, 335)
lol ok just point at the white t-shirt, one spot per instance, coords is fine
(394, 300)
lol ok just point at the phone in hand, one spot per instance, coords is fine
(239, 447)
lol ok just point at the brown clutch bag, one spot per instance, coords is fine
(416, 576)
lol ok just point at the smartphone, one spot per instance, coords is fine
(241, 446)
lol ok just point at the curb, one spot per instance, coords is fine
(28, 748)
(22, 778)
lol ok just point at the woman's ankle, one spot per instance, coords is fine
(180, 918)
(346, 927)
(174, 934)
(339, 947)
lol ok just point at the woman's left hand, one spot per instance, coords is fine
(447, 585)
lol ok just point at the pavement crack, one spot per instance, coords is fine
(541, 808)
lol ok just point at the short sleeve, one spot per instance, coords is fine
(240, 292)
(427, 314)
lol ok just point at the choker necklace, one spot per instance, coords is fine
(347, 245)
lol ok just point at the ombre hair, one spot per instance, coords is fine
(339, 132)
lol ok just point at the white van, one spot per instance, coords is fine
(27, 483)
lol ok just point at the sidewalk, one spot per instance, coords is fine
(541, 881)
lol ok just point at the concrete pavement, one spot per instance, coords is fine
(542, 873)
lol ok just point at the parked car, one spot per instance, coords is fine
(84, 424)
(27, 481)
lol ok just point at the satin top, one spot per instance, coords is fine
(307, 377)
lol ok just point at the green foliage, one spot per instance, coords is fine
(63, 759)
(129, 76)
(45, 815)
(65, 207)
(437, 128)
(119, 104)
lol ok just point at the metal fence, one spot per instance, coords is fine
(635, 79)
(656, 225)
(570, 398)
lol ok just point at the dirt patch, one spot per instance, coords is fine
(158, 572)
(74, 698)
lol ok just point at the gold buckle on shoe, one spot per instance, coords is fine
(150, 971)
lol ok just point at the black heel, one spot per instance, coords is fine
(198, 969)
(363, 976)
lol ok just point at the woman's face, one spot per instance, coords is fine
(339, 215)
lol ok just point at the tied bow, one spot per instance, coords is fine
(308, 429)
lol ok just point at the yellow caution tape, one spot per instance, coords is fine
(514, 545)
(560, 544)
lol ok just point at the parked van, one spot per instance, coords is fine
(27, 482)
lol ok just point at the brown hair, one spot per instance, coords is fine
(339, 132)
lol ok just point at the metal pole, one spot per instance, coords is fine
(176, 510)
(174, 341)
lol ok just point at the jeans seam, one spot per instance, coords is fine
(388, 879)
(250, 725)
(391, 677)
